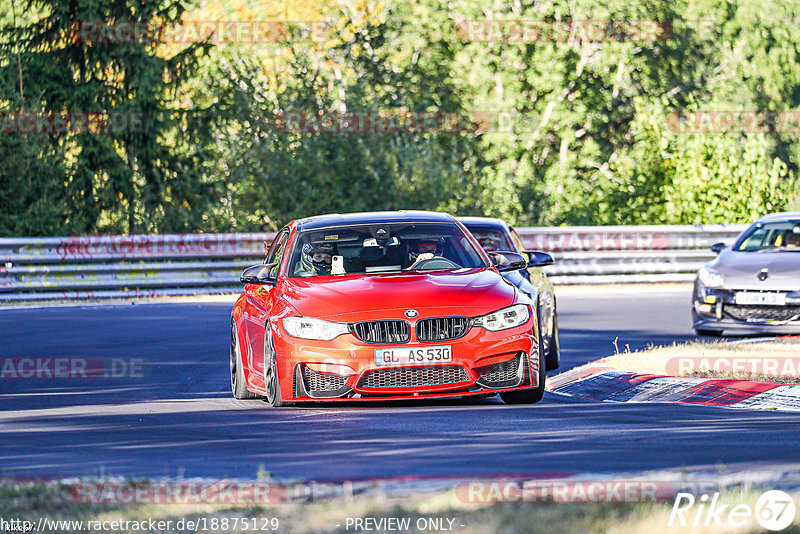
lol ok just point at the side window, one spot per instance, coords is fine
(517, 240)
(276, 251)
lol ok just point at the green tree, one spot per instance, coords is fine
(400, 62)
(143, 170)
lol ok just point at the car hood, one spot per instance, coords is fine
(469, 292)
(741, 270)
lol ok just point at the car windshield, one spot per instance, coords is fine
(383, 248)
(490, 238)
(772, 236)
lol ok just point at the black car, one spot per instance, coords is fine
(495, 235)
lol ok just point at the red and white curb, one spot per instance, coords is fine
(603, 383)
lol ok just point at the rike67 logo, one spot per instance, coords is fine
(774, 510)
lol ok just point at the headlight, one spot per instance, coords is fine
(710, 277)
(309, 328)
(505, 318)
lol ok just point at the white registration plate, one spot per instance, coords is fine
(413, 355)
(768, 299)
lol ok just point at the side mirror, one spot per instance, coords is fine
(539, 258)
(258, 274)
(507, 261)
(717, 247)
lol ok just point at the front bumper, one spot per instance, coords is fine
(484, 363)
(716, 310)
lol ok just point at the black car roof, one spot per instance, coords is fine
(483, 221)
(373, 217)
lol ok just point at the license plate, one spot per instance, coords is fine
(768, 299)
(413, 355)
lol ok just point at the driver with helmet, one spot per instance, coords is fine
(425, 250)
(317, 259)
(489, 243)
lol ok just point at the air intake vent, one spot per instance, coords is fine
(408, 377)
(504, 374)
(322, 381)
(382, 331)
(442, 328)
(764, 314)
(319, 385)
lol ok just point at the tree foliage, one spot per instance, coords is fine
(580, 129)
(134, 169)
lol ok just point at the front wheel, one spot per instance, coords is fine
(553, 359)
(272, 386)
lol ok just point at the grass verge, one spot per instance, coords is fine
(766, 361)
(441, 511)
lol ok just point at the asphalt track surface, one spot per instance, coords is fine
(176, 418)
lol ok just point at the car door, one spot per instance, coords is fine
(259, 301)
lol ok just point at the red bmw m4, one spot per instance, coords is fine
(381, 306)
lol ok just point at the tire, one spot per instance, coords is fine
(272, 387)
(534, 395)
(238, 385)
(708, 333)
(553, 359)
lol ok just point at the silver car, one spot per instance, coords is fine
(753, 286)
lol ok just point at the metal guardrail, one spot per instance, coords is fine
(183, 264)
(125, 266)
(628, 254)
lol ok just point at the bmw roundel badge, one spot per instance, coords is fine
(411, 313)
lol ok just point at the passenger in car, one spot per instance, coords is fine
(793, 238)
